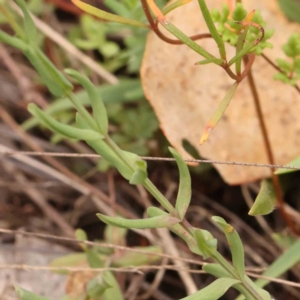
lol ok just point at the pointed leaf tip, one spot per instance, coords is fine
(265, 201)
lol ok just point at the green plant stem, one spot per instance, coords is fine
(83, 112)
(159, 197)
(228, 267)
(239, 47)
(212, 28)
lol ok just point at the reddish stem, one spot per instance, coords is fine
(154, 27)
(67, 7)
(268, 147)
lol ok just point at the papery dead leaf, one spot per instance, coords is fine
(185, 96)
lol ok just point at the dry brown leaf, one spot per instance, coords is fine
(184, 96)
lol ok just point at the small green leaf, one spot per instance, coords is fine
(155, 222)
(93, 258)
(212, 28)
(185, 188)
(239, 13)
(140, 166)
(63, 129)
(69, 260)
(80, 235)
(265, 201)
(114, 292)
(213, 291)
(207, 244)
(99, 110)
(216, 61)
(293, 163)
(292, 47)
(284, 65)
(177, 229)
(97, 286)
(235, 244)
(26, 295)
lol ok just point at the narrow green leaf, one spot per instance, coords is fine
(218, 113)
(293, 163)
(206, 242)
(63, 129)
(99, 110)
(235, 244)
(29, 26)
(177, 229)
(118, 93)
(212, 28)
(216, 270)
(265, 201)
(26, 295)
(213, 291)
(174, 5)
(216, 61)
(12, 41)
(115, 235)
(69, 260)
(155, 222)
(53, 72)
(56, 82)
(93, 258)
(282, 264)
(187, 41)
(97, 286)
(185, 185)
(105, 15)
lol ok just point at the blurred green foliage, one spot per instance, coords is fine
(229, 28)
(290, 67)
